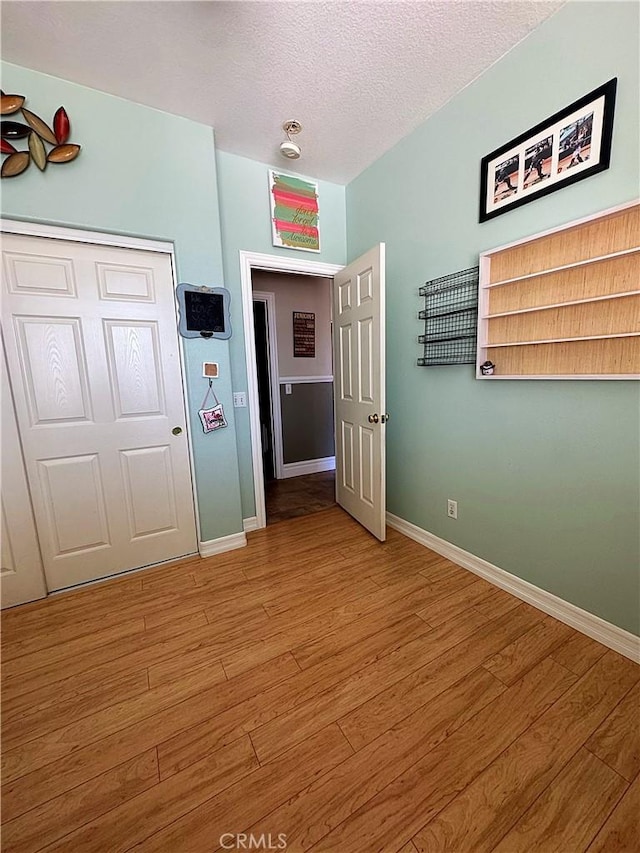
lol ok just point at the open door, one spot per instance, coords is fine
(359, 382)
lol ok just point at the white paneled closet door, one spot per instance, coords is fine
(93, 357)
(21, 576)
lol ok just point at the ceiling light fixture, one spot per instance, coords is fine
(288, 148)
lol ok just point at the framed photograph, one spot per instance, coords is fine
(567, 147)
(294, 212)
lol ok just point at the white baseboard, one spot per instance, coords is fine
(224, 543)
(249, 524)
(615, 638)
(311, 466)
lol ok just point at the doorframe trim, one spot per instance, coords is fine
(122, 241)
(269, 300)
(272, 263)
(77, 235)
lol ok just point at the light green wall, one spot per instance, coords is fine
(246, 225)
(546, 474)
(145, 173)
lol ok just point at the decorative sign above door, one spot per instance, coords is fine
(294, 212)
(45, 145)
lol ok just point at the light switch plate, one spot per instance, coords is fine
(239, 400)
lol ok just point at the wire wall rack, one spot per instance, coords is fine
(450, 317)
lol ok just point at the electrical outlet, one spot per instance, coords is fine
(239, 399)
(452, 509)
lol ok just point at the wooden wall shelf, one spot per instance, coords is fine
(564, 304)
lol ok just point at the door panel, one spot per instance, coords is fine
(93, 355)
(367, 467)
(151, 500)
(346, 456)
(345, 362)
(344, 296)
(21, 575)
(359, 358)
(365, 361)
(135, 367)
(30, 273)
(123, 283)
(75, 503)
(53, 368)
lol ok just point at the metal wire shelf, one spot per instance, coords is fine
(450, 316)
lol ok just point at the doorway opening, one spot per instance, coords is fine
(359, 414)
(264, 387)
(294, 371)
(250, 263)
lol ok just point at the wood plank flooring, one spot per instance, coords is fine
(350, 696)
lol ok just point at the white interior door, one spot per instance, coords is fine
(92, 349)
(359, 388)
(21, 577)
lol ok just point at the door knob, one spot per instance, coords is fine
(373, 419)
(384, 418)
(176, 430)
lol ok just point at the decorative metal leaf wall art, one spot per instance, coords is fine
(61, 125)
(14, 130)
(37, 132)
(36, 149)
(15, 164)
(63, 153)
(10, 104)
(35, 123)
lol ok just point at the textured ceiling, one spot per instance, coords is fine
(358, 75)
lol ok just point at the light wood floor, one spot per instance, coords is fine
(348, 695)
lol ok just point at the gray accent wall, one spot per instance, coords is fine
(307, 421)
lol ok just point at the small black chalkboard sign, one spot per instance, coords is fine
(203, 311)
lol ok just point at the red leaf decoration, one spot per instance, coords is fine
(7, 147)
(61, 125)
